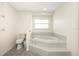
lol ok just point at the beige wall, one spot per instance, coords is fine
(65, 21)
(7, 27)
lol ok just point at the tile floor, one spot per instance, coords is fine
(21, 52)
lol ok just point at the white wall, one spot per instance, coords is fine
(7, 27)
(65, 21)
(24, 21)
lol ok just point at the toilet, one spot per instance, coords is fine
(20, 41)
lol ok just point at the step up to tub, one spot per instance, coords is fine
(43, 51)
(49, 42)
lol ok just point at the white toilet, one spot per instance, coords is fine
(20, 40)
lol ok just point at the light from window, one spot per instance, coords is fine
(40, 24)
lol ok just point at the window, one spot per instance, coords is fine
(40, 24)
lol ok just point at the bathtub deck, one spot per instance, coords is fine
(48, 45)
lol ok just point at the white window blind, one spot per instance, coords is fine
(40, 24)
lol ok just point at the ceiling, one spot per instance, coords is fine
(35, 6)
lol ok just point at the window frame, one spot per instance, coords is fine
(40, 23)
